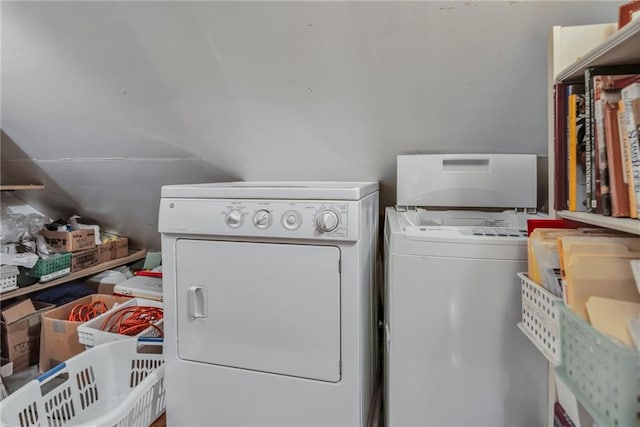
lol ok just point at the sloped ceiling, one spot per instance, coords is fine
(105, 102)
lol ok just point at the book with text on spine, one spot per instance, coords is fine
(631, 100)
(618, 188)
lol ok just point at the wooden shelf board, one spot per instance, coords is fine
(621, 48)
(134, 255)
(21, 187)
(622, 224)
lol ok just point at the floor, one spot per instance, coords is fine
(160, 422)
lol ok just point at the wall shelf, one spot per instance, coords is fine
(134, 255)
(621, 48)
(4, 187)
(621, 224)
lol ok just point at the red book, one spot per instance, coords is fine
(618, 188)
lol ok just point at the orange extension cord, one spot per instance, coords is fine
(85, 312)
(133, 320)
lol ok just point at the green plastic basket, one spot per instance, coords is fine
(603, 375)
(51, 265)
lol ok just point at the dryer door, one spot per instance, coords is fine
(265, 307)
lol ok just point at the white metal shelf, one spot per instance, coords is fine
(627, 225)
(623, 47)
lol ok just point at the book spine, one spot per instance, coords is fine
(631, 99)
(601, 153)
(572, 152)
(560, 146)
(626, 159)
(590, 153)
(619, 190)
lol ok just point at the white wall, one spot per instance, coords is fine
(107, 101)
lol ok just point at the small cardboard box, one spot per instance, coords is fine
(84, 259)
(106, 251)
(21, 333)
(122, 248)
(59, 336)
(70, 241)
(113, 249)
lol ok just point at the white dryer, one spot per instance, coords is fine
(453, 245)
(268, 302)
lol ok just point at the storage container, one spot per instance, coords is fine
(51, 267)
(120, 383)
(540, 318)
(603, 375)
(90, 333)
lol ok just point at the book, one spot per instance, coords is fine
(603, 205)
(561, 93)
(575, 150)
(560, 146)
(595, 81)
(631, 100)
(626, 160)
(560, 417)
(619, 192)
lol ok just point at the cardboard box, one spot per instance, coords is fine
(113, 249)
(70, 241)
(106, 251)
(59, 336)
(122, 248)
(84, 259)
(21, 324)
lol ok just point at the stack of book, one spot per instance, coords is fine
(596, 124)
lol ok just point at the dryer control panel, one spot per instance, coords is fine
(331, 220)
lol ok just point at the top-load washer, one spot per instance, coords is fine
(453, 245)
(269, 302)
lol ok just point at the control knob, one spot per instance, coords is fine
(327, 220)
(234, 218)
(262, 219)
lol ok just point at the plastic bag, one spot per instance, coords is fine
(16, 228)
(12, 226)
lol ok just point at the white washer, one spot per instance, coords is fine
(269, 303)
(453, 353)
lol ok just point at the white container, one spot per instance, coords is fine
(120, 383)
(8, 278)
(540, 321)
(90, 334)
(140, 287)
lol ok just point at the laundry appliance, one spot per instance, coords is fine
(453, 245)
(268, 302)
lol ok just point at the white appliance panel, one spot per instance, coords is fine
(274, 190)
(265, 307)
(454, 354)
(467, 180)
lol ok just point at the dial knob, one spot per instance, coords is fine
(234, 218)
(327, 220)
(291, 220)
(262, 219)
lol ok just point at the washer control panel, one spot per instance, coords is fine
(299, 219)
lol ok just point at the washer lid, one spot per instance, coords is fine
(467, 180)
(288, 190)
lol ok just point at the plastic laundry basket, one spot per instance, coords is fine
(120, 383)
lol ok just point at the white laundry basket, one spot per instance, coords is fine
(120, 383)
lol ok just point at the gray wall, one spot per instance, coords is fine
(105, 102)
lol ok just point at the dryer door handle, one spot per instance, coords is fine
(198, 302)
